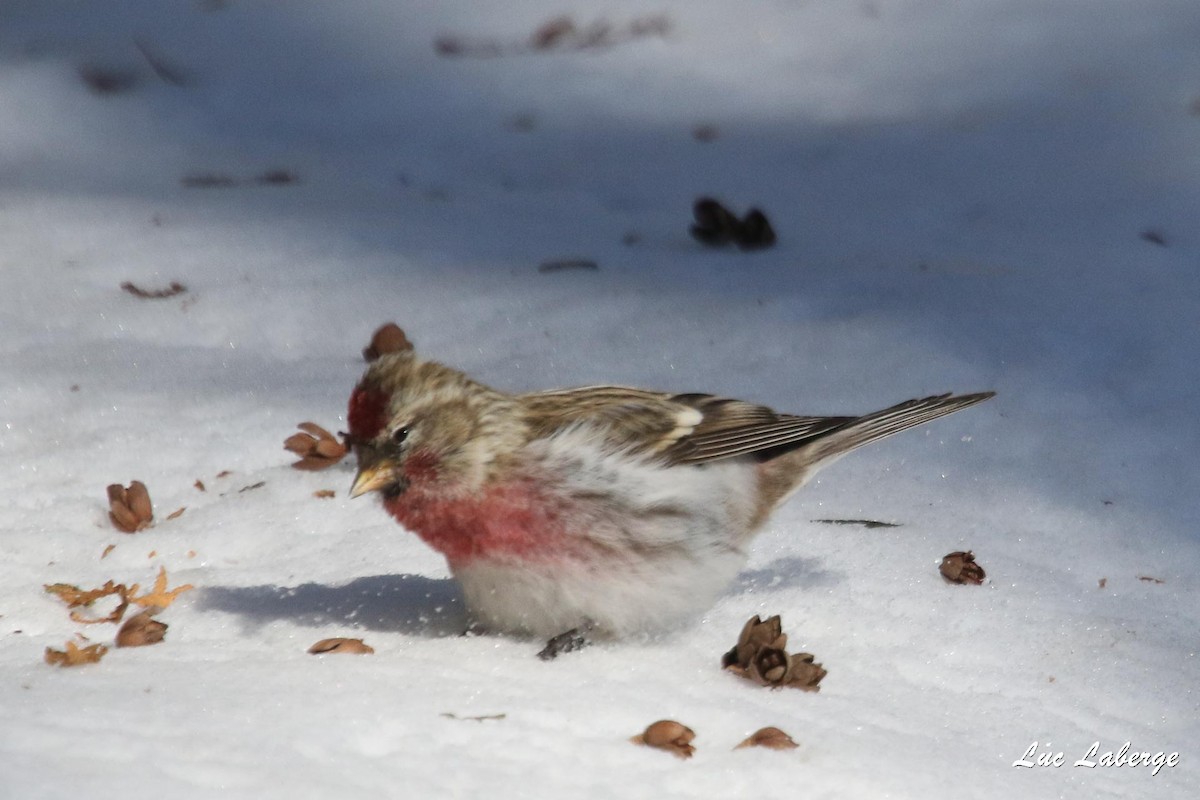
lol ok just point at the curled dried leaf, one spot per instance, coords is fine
(159, 596)
(324, 494)
(341, 645)
(960, 567)
(141, 629)
(772, 738)
(388, 338)
(177, 513)
(75, 597)
(113, 616)
(667, 734)
(316, 446)
(74, 655)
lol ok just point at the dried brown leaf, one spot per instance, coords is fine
(114, 616)
(75, 597)
(159, 596)
(324, 494)
(74, 655)
(177, 513)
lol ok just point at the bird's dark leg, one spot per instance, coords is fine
(574, 639)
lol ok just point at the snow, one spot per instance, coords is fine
(965, 195)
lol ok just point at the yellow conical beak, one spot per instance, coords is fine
(372, 478)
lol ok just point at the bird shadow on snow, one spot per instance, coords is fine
(430, 607)
(784, 573)
(412, 604)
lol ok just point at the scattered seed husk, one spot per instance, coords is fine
(669, 735)
(140, 630)
(340, 645)
(960, 567)
(129, 508)
(388, 338)
(317, 447)
(761, 656)
(771, 738)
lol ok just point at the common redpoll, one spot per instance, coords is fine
(606, 509)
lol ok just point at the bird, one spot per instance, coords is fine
(589, 513)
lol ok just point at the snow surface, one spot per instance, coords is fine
(966, 195)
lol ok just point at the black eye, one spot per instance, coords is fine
(399, 435)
